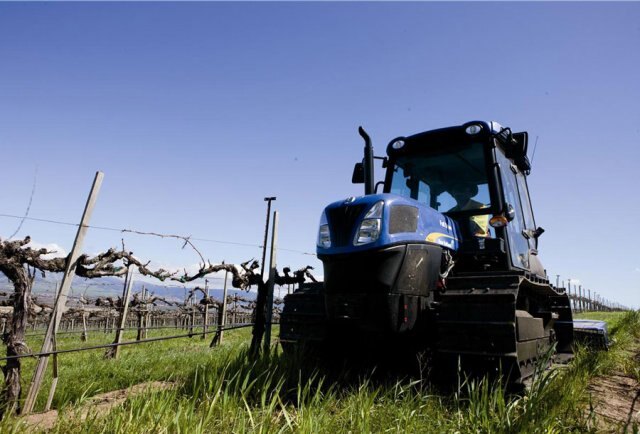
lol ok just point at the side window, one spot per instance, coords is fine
(526, 207)
(526, 203)
(518, 244)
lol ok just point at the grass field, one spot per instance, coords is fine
(220, 390)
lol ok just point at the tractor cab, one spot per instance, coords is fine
(476, 175)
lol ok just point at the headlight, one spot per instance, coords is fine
(473, 129)
(398, 144)
(375, 212)
(324, 237)
(369, 230)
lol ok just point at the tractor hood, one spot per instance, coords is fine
(381, 220)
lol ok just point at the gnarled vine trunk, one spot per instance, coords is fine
(14, 338)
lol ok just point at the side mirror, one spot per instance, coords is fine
(537, 232)
(520, 157)
(511, 213)
(522, 143)
(358, 174)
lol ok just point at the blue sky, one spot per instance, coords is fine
(197, 111)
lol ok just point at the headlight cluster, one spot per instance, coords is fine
(324, 237)
(369, 230)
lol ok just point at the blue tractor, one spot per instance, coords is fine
(441, 256)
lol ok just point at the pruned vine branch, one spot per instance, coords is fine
(20, 262)
(298, 276)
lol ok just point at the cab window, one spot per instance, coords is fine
(448, 179)
(451, 179)
(518, 244)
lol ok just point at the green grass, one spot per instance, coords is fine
(88, 373)
(611, 318)
(220, 390)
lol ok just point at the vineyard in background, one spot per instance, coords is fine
(196, 312)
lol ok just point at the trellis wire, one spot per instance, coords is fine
(106, 228)
(142, 341)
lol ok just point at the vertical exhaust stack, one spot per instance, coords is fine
(367, 162)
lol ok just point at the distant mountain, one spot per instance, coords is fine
(45, 288)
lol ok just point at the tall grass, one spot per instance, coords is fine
(228, 392)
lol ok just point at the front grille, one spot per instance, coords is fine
(342, 222)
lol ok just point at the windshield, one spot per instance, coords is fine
(451, 180)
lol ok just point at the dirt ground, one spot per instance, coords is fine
(616, 401)
(98, 404)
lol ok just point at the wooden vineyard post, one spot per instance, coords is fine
(147, 314)
(261, 298)
(582, 303)
(587, 301)
(271, 283)
(83, 336)
(128, 283)
(142, 309)
(234, 312)
(192, 320)
(61, 299)
(222, 315)
(205, 315)
(54, 380)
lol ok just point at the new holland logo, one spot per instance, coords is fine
(349, 200)
(444, 242)
(445, 225)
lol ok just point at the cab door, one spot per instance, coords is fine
(516, 229)
(535, 266)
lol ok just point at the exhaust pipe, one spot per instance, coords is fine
(367, 162)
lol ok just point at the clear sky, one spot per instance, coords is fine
(197, 111)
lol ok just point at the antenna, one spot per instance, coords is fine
(534, 150)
